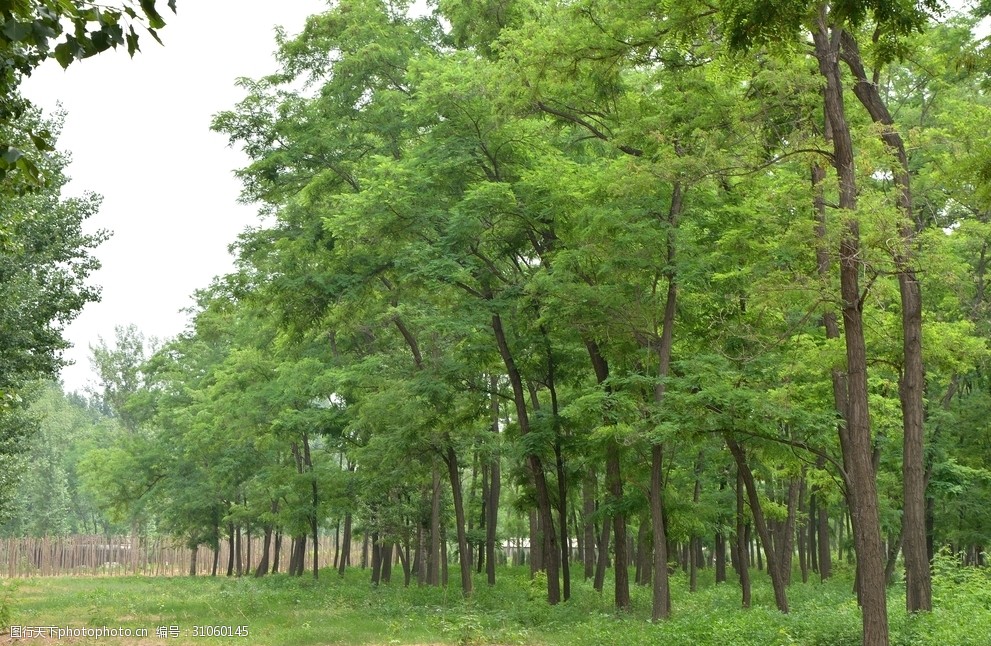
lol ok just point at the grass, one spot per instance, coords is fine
(335, 610)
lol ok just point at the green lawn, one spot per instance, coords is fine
(280, 610)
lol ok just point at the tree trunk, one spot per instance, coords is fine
(376, 559)
(720, 557)
(588, 510)
(803, 535)
(495, 484)
(433, 557)
(861, 484)
(230, 556)
(262, 568)
(822, 540)
(464, 557)
(614, 487)
(536, 544)
(918, 582)
(388, 554)
(534, 463)
(614, 484)
(314, 520)
(346, 545)
(661, 592)
(773, 563)
(238, 563)
(742, 558)
(786, 549)
(695, 545)
(603, 561)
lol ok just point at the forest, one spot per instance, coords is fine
(657, 291)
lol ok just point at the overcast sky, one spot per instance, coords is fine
(139, 134)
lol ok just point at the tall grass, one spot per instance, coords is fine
(348, 610)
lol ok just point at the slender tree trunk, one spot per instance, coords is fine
(695, 546)
(404, 560)
(495, 484)
(786, 549)
(262, 568)
(388, 554)
(825, 559)
(376, 559)
(459, 514)
(312, 514)
(614, 487)
(483, 518)
(720, 557)
(230, 556)
(614, 484)
(588, 510)
(742, 558)
(433, 558)
(534, 463)
(562, 494)
(773, 563)
(661, 601)
(803, 534)
(346, 545)
(603, 561)
(918, 583)
(861, 484)
(443, 555)
(536, 544)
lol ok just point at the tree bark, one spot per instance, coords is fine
(433, 557)
(588, 510)
(861, 484)
(773, 563)
(376, 558)
(911, 386)
(230, 556)
(603, 561)
(262, 568)
(346, 545)
(534, 463)
(614, 487)
(464, 556)
(661, 603)
(492, 510)
(742, 557)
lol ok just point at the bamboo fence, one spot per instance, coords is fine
(125, 555)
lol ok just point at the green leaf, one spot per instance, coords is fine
(155, 20)
(132, 42)
(42, 141)
(63, 54)
(17, 31)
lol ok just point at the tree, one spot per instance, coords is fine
(33, 31)
(44, 266)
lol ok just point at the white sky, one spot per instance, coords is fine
(138, 131)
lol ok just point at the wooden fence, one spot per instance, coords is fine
(124, 555)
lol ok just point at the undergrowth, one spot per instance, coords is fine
(348, 610)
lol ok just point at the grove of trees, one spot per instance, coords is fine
(649, 283)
